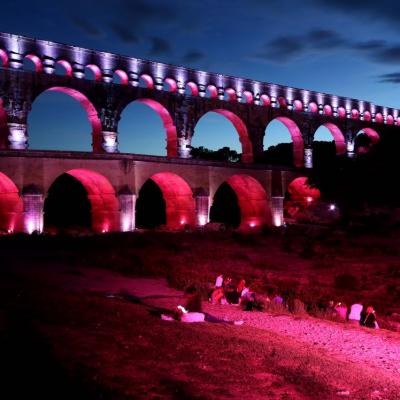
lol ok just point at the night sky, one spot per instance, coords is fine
(349, 48)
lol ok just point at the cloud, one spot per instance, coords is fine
(159, 46)
(393, 77)
(124, 33)
(193, 56)
(282, 49)
(86, 27)
(387, 11)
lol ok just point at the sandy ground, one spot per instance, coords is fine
(374, 348)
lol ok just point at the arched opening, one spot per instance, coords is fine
(11, 206)
(312, 107)
(213, 131)
(63, 68)
(241, 202)
(324, 148)
(247, 97)
(142, 132)
(298, 105)
(3, 58)
(283, 143)
(170, 85)
(365, 139)
(32, 62)
(230, 95)
(299, 195)
(378, 118)
(53, 127)
(265, 100)
(211, 92)
(342, 113)
(191, 89)
(146, 82)
(225, 207)
(92, 72)
(175, 207)
(150, 207)
(81, 199)
(120, 77)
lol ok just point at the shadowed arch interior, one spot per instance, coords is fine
(225, 207)
(97, 138)
(11, 206)
(253, 201)
(178, 199)
(87, 197)
(297, 139)
(246, 197)
(150, 206)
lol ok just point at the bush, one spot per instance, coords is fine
(346, 282)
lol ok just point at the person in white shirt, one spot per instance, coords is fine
(219, 281)
(355, 313)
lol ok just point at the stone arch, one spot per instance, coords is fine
(340, 141)
(122, 76)
(241, 129)
(37, 62)
(170, 85)
(178, 197)
(297, 139)
(3, 58)
(95, 70)
(299, 196)
(94, 120)
(11, 206)
(192, 88)
(168, 123)
(147, 80)
(104, 206)
(372, 135)
(253, 202)
(66, 66)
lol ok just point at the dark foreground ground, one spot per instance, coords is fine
(59, 340)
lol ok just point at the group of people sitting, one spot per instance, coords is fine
(225, 292)
(356, 314)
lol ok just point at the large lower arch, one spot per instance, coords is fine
(102, 201)
(299, 196)
(253, 202)
(94, 120)
(11, 206)
(178, 198)
(340, 141)
(297, 139)
(168, 123)
(373, 137)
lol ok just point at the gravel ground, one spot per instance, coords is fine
(375, 348)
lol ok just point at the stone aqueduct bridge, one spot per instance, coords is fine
(181, 96)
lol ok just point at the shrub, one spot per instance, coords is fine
(346, 282)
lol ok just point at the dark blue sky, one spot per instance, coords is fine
(349, 48)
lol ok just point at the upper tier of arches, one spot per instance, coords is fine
(110, 68)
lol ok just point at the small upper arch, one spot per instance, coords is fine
(95, 70)
(3, 58)
(120, 77)
(36, 61)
